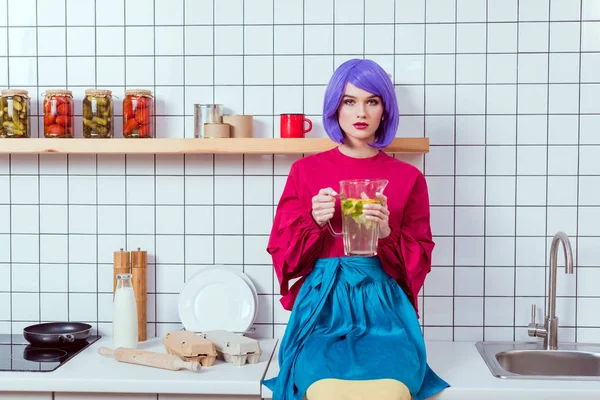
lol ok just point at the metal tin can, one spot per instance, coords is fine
(206, 114)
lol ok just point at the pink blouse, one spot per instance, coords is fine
(296, 240)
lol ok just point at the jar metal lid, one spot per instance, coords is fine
(138, 92)
(15, 92)
(59, 93)
(98, 92)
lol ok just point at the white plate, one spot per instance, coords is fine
(251, 284)
(217, 298)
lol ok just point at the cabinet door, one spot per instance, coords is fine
(25, 396)
(104, 396)
(206, 397)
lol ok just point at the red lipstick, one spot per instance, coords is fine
(361, 125)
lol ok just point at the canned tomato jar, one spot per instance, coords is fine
(58, 114)
(138, 110)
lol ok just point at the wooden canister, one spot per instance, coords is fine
(139, 264)
(216, 130)
(241, 125)
(121, 265)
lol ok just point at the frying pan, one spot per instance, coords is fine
(57, 334)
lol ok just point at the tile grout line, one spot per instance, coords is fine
(7, 48)
(578, 179)
(154, 158)
(244, 111)
(505, 22)
(185, 134)
(485, 164)
(424, 124)
(514, 308)
(407, 53)
(454, 178)
(546, 289)
(38, 158)
(213, 157)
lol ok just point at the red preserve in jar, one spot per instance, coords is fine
(138, 112)
(58, 114)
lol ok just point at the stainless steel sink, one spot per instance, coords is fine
(546, 359)
(526, 360)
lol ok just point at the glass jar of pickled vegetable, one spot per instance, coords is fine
(58, 114)
(138, 109)
(97, 114)
(14, 113)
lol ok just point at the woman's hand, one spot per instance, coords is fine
(323, 206)
(380, 214)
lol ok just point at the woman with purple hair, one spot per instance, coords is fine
(353, 332)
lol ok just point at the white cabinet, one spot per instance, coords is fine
(25, 396)
(104, 396)
(137, 396)
(206, 397)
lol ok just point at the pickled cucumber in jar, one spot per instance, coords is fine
(14, 114)
(97, 110)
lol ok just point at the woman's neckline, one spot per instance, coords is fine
(336, 150)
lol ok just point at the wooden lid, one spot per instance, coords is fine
(58, 93)
(15, 92)
(98, 92)
(138, 92)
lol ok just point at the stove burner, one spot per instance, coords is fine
(43, 355)
(16, 354)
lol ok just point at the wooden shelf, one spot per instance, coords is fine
(182, 146)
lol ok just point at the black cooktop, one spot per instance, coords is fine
(16, 354)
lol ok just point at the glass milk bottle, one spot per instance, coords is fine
(125, 323)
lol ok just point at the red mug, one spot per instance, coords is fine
(292, 125)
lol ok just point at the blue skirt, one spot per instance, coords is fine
(352, 321)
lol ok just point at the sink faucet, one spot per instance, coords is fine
(550, 329)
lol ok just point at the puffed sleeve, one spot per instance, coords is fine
(406, 253)
(296, 240)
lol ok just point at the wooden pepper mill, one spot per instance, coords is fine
(121, 265)
(139, 264)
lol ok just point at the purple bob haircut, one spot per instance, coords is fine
(366, 75)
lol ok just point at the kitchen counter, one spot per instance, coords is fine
(460, 364)
(90, 372)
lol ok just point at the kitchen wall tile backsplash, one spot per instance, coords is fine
(507, 92)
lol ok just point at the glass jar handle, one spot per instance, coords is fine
(332, 231)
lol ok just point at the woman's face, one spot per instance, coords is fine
(360, 113)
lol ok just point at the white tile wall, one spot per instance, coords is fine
(506, 91)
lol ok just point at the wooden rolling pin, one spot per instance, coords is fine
(149, 359)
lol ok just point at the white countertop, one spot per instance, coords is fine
(460, 364)
(90, 372)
